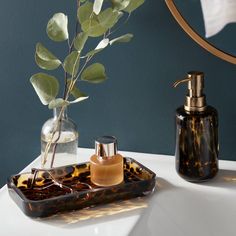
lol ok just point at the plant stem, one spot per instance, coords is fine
(65, 96)
(56, 182)
(49, 143)
(65, 87)
(70, 47)
(73, 81)
(59, 119)
(55, 144)
(80, 72)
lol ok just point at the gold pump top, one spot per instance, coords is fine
(195, 99)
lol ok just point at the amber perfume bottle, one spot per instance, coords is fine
(106, 166)
(197, 145)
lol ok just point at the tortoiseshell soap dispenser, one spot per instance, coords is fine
(197, 145)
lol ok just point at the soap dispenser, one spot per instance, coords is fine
(197, 145)
(106, 165)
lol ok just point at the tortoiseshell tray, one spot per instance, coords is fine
(43, 193)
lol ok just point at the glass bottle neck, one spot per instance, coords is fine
(57, 111)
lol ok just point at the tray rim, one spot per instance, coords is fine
(12, 186)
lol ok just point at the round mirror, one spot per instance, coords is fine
(210, 23)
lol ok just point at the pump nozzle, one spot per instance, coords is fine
(195, 99)
(176, 83)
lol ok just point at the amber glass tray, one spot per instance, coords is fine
(43, 193)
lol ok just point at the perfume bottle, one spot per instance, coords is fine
(106, 166)
(197, 145)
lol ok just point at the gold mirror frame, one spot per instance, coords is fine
(196, 37)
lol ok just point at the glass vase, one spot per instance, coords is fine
(59, 140)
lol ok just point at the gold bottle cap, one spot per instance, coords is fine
(106, 146)
(195, 99)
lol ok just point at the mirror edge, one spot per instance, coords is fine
(196, 37)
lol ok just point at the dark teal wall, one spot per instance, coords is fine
(136, 104)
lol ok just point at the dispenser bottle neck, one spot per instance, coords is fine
(195, 99)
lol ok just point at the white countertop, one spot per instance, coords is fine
(176, 208)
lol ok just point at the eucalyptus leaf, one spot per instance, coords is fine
(80, 41)
(133, 5)
(94, 73)
(108, 18)
(57, 28)
(96, 25)
(84, 12)
(120, 14)
(46, 87)
(75, 92)
(102, 44)
(79, 100)
(122, 39)
(46, 65)
(45, 59)
(93, 28)
(97, 6)
(71, 63)
(44, 53)
(120, 4)
(58, 102)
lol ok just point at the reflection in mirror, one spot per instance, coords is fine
(217, 14)
(213, 20)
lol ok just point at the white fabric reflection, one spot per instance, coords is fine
(217, 14)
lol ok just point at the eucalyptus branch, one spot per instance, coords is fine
(82, 69)
(65, 86)
(72, 78)
(70, 50)
(70, 46)
(49, 143)
(59, 124)
(55, 144)
(95, 20)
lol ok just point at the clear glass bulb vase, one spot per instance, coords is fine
(59, 141)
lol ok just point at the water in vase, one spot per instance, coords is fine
(65, 149)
